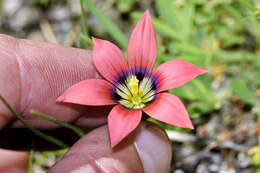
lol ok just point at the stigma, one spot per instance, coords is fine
(134, 85)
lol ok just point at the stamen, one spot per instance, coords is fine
(136, 89)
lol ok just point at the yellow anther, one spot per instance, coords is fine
(134, 85)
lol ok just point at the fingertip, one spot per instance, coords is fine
(154, 149)
(146, 150)
(93, 152)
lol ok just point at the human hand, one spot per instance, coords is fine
(33, 74)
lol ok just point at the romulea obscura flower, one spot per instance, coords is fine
(133, 85)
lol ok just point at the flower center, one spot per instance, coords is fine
(135, 93)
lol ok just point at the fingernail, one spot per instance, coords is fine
(111, 165)
(154, 149)
(84, 169)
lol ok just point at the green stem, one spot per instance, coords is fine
(83, 18)
(77, 130)
(107, 23)
(87, 39)
(34, 130)
(84, 21)
(30, 162)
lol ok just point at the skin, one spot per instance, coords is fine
(33, 74)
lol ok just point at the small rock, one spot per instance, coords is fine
(213, 126)
(11, 6)
(217, 159)
(63, 26)
(227, 168)
(186, 151)
(59, 13)
(213, 168)
(74, 7)
(248, 170)
(243, 160)
(178, 171)
(227, 171)
(202, 168)
(61, 30)
(35, 35)
(23, 17)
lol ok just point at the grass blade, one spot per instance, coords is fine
(111, 28)
(83, 19)
(30, 162)
(160, 27)
(240, 89)
(168, 13)
(84, 22)
(77, 130)
(87, 39)
(187, 18)
(34, 130)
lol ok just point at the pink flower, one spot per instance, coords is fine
(132, 85)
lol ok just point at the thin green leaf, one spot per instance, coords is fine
(83, 19)
(160, 27)
(87, 39)
(247, 4)
(241, 90)
(77, 130)
(187, 48)
(84, 22)
(125, 6)
(187, 19)
(168, 13)
(203, 91)
(30, 162)
(111, 28)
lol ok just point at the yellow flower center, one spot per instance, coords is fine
(133, 84)
(135, 94)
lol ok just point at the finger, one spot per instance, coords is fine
(146, 150)
(9, 79)
(33, 74)
(13, 161)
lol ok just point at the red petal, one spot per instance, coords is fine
(121, 122)
(108, 59)
(142, 48)
(169, 109)
(175, 73)
(88, 92)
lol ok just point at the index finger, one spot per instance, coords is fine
(33, 74)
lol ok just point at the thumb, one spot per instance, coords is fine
(146, 150)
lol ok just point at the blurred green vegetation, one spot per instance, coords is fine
(221, 35)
